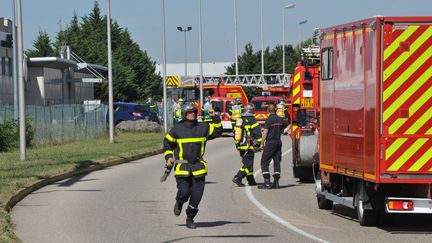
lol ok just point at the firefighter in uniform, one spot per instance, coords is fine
(207, 106)
(236, 111)
(186, 142)
(178, 111)
(272, 144)
(247, 136)
(281, 110)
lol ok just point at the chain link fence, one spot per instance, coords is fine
(60, 123)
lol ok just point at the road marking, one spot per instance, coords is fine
(276, 218)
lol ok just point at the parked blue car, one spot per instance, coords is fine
(132, 112)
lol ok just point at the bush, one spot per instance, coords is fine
(9, 134)
(8, 138)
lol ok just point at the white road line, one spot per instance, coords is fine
(276, 218)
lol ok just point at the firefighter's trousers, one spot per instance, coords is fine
(272, 151)
(247, 163)
(192, 189)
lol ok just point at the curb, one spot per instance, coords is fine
(24, 192)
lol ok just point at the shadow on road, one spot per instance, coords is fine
(73, 180)
(215, 223)
(210, 182)
(400, 224)
(219, 236)
(218, 223)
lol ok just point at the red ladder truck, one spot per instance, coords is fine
(305, 113)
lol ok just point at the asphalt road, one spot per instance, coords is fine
(127, 203)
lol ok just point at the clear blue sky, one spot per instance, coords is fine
(143, 20)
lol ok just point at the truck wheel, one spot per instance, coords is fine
(366, 217)
(324, 203)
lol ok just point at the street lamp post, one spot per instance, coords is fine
(262, 43)
(300, 33)
(235, 38)
(283, 36)
(164, 101)
(185, 43)
(201, 59)
(21, 93)
(110, 84)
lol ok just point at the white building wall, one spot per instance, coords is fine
(209, 69)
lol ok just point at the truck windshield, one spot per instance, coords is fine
(261, 105)
(217, 105)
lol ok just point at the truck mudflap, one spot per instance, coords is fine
(408, 205)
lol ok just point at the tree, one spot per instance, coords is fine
(42, 45)
(250, 63)
(134, 75)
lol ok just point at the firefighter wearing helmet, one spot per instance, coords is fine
(178, 111)
(247, 137)
(281, 109)
(186, 143)
(236, 110)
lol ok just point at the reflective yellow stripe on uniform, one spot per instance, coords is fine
(170, 138)
(168, 152)
(244, 147)
(259, 140)
(181, 141)
(254, 125)
(248, 173)
(212, 127)
(178, 170)
(202, 171)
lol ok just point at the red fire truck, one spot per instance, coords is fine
(218, 93)
(305, 113)
(375, 142)
(261, 103)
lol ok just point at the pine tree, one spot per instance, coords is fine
(42, 46)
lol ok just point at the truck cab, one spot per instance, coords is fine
(222, 106)
(261, 103)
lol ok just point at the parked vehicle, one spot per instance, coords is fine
(261, 103)
(133, 112)
(305, 110)
(222, 106)
(376, 124)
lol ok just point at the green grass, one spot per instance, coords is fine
(47, 161)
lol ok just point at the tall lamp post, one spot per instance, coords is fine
(300, 33)
(262, 43)
(185, 43)
(164, 101)
(20, 64)
(235, 38)
(283, 36)
(110, 84)
(200, 54)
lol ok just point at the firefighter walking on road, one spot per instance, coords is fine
(272, 145)
(186, 143)
(247, 136)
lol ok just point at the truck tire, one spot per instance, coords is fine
(324, 203)
(366, 217)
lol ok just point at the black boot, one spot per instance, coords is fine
(251, 180)
(177, 208)
(237, 180)
(266, 185)
(190, 223)
(276, 183)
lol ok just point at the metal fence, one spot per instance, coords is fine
(59, 123)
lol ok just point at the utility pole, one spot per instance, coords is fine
(110, 85)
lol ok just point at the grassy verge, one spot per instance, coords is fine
(48, 161)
